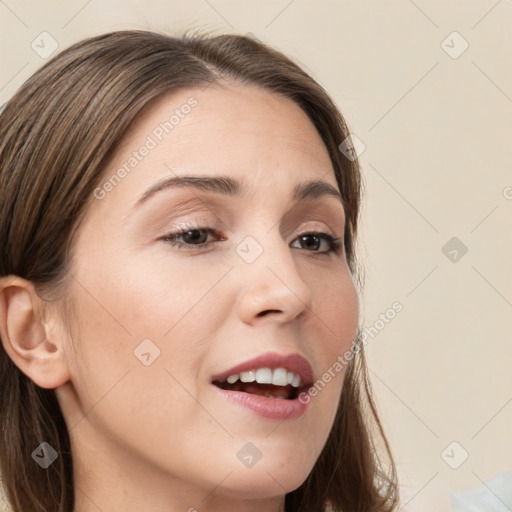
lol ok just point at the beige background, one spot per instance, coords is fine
(438, 132)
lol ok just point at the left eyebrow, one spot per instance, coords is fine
(227, 185)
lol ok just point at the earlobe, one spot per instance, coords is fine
(27, 336)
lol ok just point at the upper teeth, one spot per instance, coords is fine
(278, 377)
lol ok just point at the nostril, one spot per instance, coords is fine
(263, 313)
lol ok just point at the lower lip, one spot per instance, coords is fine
(271, 408)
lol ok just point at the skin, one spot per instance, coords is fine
(158, 437)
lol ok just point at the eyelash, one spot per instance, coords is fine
(335, 242)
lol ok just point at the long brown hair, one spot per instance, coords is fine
(57, 135)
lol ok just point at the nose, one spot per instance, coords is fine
(273, 289)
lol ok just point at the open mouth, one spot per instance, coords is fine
(276, 376)
(266, 390)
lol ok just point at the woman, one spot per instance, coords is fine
(178, 283)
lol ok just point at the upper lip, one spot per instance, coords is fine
(291, 362)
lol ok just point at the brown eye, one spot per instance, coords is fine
(195, 236)
(313, 241)
(190, 236)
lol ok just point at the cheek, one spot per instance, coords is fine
(144, 294)
(156, 294)
(126, 318)
(123, 301)
(337, 311)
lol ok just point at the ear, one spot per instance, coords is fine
(30, 341)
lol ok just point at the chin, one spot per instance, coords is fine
(275, 478)
(254, 486)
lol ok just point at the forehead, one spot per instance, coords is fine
(261, 138)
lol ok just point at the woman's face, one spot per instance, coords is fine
(157, 316)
